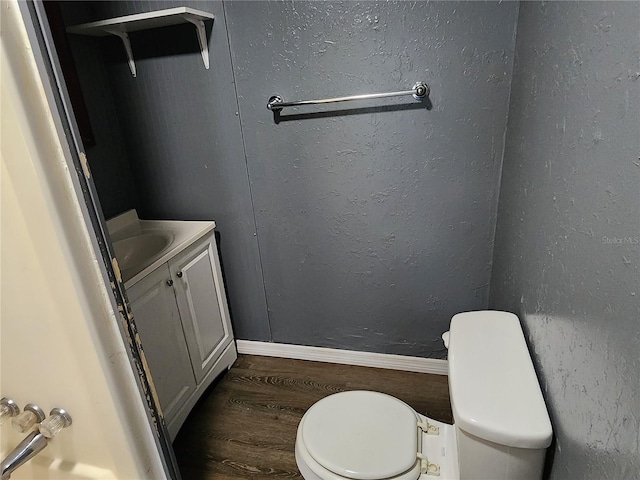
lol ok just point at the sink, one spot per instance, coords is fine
(139, 250)
(140, 246)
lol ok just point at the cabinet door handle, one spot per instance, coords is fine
(169, 283)
(179, 274)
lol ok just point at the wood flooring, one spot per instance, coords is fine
(244, 426)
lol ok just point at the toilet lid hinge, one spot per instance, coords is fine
(426, 467)
(429, 428)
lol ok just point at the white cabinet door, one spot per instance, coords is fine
(156, 315)
(203, 306)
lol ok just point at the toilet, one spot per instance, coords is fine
(501, 426)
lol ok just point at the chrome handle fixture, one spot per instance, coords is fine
(31, 414)
(179, 274)
(169, 283)
(419, 91)
(33, 444)
(58, 419)
(36, 441)
(8, 409)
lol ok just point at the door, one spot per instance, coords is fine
(203, 307)
(61, 342)
(154, 306)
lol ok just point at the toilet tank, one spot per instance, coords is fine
(502, 425)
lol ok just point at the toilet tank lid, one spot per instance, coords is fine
(495, 394)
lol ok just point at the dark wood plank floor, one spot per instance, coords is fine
(245, 425)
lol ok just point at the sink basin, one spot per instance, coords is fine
(140, 246)
(139, 250)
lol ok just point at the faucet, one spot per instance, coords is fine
(33, 444)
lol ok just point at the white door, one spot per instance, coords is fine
(60, 344)
(156, 314)
(203, 307)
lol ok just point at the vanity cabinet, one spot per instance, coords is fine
(158, 320)
(182, 316)
(203, 308)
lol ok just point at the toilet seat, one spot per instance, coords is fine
(359, 435)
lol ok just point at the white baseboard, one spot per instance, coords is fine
(346, 357)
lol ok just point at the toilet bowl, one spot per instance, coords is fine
(501, 426)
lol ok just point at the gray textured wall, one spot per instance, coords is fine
(109, 157)
(183, 136)
(374, 223)
(567, 249)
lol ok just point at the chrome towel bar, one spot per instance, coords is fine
(419, 91)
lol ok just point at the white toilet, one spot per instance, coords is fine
(501, 426)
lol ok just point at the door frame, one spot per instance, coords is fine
(36, 23)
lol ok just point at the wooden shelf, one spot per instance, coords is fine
(121, 26)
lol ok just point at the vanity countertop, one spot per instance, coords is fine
(141, 246)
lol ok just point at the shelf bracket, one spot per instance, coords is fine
(122, 26)
(202, 38)
(124, 36)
